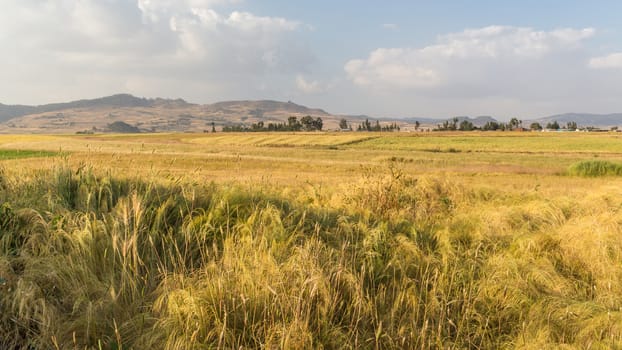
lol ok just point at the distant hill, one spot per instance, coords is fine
(177, 115)
(154, 115)
(8, 112)
(582, 119)
(263, 107)
(114, 101)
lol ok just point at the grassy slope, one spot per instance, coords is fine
(310, 241)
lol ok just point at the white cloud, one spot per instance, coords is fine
(207, 50)
(390, 26)
(613, 60)
(394, 67)
(477, 58)
(240, 37)
(308, 87)
(504, 41)
(156, 10)
(144, 40)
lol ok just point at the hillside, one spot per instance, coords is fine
(8, 112)
(118, 101)
(153, 115)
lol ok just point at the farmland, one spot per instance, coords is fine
(311, 240)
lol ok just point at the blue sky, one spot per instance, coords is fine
(382, 58)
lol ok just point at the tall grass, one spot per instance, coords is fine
(594, 168)
(391, 261)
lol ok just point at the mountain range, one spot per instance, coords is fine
(158, 115)
(584, 119)
(155, 115)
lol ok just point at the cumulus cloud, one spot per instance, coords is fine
(613, 60)
(474, 58)
(241, 39)
(207, 50)
(308, 87)
(119, 43)
(503, 41)
(402, 68)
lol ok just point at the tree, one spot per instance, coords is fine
(572, 126)
(213, 127)
(417, 125)
(292, 121)
(454, 124)
(307, 123)
(514, 123)
(490, 126)
(449, 125)
(553, 126)
(293, 124)
(535, 126)
(310, 124)
(466, 125)
(343, 124)
(318, 124)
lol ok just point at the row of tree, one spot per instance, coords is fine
(309, 123)
(367, 126)
(466, 125)
(306, 123)
(514, 124)
(452, 125)
(571, 126)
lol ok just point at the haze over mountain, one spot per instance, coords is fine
(584, 119)
(115, 101)
(162, 114)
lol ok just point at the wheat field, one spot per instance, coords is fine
(304, 241)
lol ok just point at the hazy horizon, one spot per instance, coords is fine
(402, 59)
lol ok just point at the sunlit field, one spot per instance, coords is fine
(311, 240)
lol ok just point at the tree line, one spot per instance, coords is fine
(367, 126)
(514, 124)
(306, 123)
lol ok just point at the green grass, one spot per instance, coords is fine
(595, 168)
(19, 154)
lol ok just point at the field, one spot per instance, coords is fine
(319, 240)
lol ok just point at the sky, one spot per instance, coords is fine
(391, 58)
